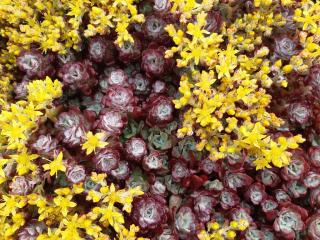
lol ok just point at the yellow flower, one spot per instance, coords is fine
(112, 215)
(227, 62)
(243, 224)
(125, 234)
(15, 132)
(41, 92)
(231, 234)
(99, 178)
(55, 165)
(196, 31)
(94, 196)
(50, 235)
(10, 203)
(64, 203)
(261, 163)
(71, 225)
(177, 36)
(94, 141)
(24, 162)
(206, 80)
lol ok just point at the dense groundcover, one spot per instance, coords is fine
(159, 119)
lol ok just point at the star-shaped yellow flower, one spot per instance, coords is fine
(94, 141)
(55, 165)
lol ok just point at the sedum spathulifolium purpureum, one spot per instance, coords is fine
(160, 119)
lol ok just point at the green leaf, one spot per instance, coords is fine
(133, 128)
(159, 140)
(185, 146)
(138, 178)
(61, 180)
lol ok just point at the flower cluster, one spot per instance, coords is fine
(59, 26)
(5, 86)
(223, 91)
(159, 119)
(229, 232)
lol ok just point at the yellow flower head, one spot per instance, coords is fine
(94, 141)
(55, 165)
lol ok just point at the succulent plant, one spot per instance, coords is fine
(78, 75)
(130, 51)
(192, 98)
(76, 174)
(72, 127)
(149, 212)
(285, 47)
(35, 65)
(101, 50)
(136, 149)
(112, 121)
